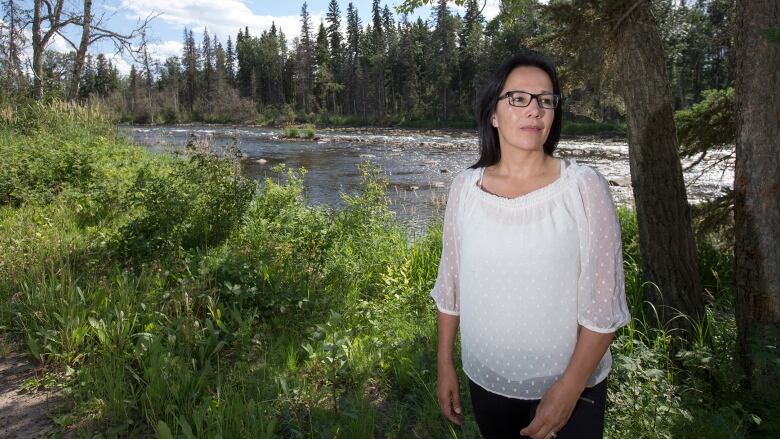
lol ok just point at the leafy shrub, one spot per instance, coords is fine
(38, 172)
(185, 203)
(277, 257)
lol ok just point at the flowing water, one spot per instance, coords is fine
(419, 164)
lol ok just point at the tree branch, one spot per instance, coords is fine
(626, 14)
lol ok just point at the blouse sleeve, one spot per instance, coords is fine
(601, 290)
(445, 292)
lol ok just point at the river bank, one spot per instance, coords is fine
(420, 163)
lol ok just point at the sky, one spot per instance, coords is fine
(223, 18)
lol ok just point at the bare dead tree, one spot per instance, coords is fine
(94, 29)
(56, 20)
(12, 41)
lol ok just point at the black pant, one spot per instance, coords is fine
(500, 417)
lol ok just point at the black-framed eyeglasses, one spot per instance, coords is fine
(523, 99)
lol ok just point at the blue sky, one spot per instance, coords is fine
(223, 17)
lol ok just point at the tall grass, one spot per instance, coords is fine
(172, 297)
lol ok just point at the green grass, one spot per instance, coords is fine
(292, 132)
(170, 296)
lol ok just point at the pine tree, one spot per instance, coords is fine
(377, 60)
(470, 48)
(87, 86)
(230, 61)
(207, 55)
(444, 57)
(407, 69)
(219, 64)
(245, 61)
(305, 60)
(170, 80)
(333, 18)
(391, 59)
(133, 91)
(190, 65)
(12, 41)
(106, 76)
(325, 84)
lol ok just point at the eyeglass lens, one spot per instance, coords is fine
(523, 99)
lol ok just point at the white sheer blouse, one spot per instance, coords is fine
(524, 273)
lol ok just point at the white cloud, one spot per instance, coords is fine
(164, 50)
(223, 18)
(120, 63)
(491, 8)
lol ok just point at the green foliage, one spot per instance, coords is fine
(309, 131)
(708, 124)
(291, 132)
(294, 132)
(187, 203)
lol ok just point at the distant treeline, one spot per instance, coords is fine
(392, 69)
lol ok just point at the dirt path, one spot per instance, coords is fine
(22, 414)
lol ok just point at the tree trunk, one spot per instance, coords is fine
(757, 190)
(37, 41)
(41, 39)
(81, 53)
(666, 240)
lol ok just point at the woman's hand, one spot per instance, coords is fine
(554, 410)
(448, 393)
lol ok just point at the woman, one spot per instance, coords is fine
(531, 271)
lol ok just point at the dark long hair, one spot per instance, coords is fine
(489, 147)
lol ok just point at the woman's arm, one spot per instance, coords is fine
(447, 388)
(447, 297)
(589, 350)
(559, 401)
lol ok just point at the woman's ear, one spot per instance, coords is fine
(494, 121)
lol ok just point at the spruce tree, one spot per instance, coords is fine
(230, 60)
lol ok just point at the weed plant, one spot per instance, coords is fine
(170, 296)
(291, 132)
(309, 132)
(294, 132)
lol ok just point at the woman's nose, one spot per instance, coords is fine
(533, 108)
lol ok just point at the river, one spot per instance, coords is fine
(419, 164)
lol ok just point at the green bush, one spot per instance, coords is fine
(309, 131)
(183, 203)
(291, 132)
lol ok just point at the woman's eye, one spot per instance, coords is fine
(519, 100)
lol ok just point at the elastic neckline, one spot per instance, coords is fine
(535, 195)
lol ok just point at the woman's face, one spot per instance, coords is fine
(524, 128)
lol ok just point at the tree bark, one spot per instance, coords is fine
(41, 39)
(757, 190)
(37, 52)
(81, 53)
(667, 246)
